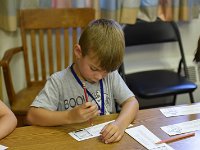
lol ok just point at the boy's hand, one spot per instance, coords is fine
(84, 112)
(112, 132)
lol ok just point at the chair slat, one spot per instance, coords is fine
(74, 38)
(42, 57)
(34, 54)
(50, 50)
(26, 62)
(66, 46)
(58, 49)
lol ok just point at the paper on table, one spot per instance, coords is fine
(90, 132)
(147, 138)
(3, 147)
(181, 110)
(183, 127)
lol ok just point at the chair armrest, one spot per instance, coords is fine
(8, 55)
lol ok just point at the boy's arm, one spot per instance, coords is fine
(128, 112)
(44, 117)
(113, 132)
(8, 120)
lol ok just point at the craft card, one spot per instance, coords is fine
(181, 110)
(183, 127)
(90, 132)
(147, 138)
(3, 147)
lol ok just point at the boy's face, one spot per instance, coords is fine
(87, 67)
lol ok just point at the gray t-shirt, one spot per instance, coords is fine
(63, 92)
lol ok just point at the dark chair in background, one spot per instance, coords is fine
(149, 84)
(122, 72)
(48, 36)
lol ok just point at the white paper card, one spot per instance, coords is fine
(181, 110)
(89, 132)
(183, 127)
(147, 138)
(3, 147)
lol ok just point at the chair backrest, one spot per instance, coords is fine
(155, 32)
(48, 37)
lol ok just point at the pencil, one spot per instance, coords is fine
(86, 99)
(175, 138)
(85, 92)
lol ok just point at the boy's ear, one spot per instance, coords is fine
(77, 51)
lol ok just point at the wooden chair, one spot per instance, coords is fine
(48, 36)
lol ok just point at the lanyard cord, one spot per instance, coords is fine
(88, 92)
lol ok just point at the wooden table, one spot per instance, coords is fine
(57, 138)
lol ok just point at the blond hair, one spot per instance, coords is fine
(105, 39)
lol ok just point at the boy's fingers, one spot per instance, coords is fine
(102, 132)
(94, 112)
(118, 138)
(106, 131)
(91, 108)
(114, 138)
(109, 134)
(87, 104)
(91, 112)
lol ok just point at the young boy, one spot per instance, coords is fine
(98, 55)
(8, 120)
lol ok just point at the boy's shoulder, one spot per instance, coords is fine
(65, 73)
(113, 73)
